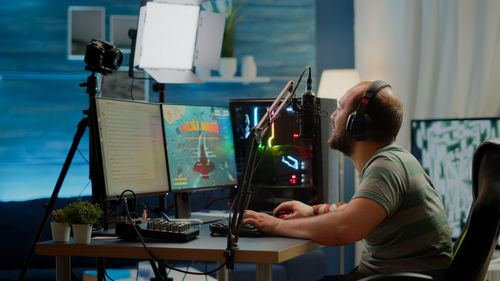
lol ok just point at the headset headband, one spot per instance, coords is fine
(374, 88)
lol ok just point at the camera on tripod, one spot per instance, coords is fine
(102, 57)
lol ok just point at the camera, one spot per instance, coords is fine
(102, 57)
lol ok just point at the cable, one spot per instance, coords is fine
(106, 273)
(83, 156)
(153, 265)
(187, 268)
(83, 189)
(102, 85)
(300, 79)
(132, 89)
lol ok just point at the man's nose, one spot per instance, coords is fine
(334, 114)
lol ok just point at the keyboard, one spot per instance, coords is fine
(246, 230)
(158, 229)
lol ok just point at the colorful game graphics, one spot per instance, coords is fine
(200, 149)
(203, 166)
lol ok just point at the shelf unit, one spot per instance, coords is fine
(236, 79)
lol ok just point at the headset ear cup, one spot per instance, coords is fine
(357, 126)
(365, 127)
(349, 124)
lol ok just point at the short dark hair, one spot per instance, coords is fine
(386, 117)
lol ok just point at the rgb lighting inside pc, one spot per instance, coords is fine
(285, 159)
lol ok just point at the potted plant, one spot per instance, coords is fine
(228, 63)
(82, 215)
(60, 226)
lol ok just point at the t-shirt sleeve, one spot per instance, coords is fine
(383, 181)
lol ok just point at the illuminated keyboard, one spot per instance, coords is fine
(246, 230)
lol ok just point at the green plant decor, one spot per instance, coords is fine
(228, 39)
(83, 212)
(59, 216)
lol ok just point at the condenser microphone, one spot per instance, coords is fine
(308, 111)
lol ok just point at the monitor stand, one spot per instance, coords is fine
(182, 205)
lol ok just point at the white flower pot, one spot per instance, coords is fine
(60, 232)
(203, 72)
(82, 233)
(248, 67)
(227, 67)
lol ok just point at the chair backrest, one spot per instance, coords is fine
(472, 251)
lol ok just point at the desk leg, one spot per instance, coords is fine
(63, 268)
(222, 273)
(264, 272)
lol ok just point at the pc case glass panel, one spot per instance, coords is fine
(132, 147)
(286, 160)
(200, 148)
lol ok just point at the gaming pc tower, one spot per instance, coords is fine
(289, 167)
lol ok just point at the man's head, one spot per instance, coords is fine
(384, 112)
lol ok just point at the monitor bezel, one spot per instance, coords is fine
(107, 196)
(205, 188)
(412, 143)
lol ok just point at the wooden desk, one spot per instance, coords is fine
(263, 251)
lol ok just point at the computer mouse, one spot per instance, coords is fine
(283, 213)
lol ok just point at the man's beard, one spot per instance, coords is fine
(341, 142)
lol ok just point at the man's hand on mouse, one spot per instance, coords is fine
(297, 208)
(268, 224)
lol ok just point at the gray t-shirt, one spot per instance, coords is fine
(415, 235)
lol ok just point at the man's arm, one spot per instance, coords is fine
(349, 224)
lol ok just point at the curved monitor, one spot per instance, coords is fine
(199, 147)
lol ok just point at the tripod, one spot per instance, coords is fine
(95, 174)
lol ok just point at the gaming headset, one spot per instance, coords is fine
(358, 123)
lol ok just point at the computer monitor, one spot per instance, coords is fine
(290, 167)
(200, 150)
(445, 148)
(132, 147)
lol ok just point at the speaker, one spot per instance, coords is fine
(358, 123)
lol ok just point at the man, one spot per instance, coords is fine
(396, 210)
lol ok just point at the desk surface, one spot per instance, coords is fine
(261, 250)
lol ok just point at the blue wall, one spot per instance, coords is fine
(42, 103)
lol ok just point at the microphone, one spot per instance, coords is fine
(308, 110)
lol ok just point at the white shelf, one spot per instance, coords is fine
(236, 79)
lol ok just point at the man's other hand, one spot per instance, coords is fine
(262, 221)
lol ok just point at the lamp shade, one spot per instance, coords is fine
(334, 83)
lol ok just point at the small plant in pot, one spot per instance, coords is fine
(228, 63)
(60, 226)
(82, 215)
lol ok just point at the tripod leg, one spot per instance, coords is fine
(76, 140)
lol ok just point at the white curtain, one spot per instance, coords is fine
(441, 56)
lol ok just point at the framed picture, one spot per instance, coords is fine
(84, 24)
(119, 26)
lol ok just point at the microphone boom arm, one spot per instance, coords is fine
(243, 196)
